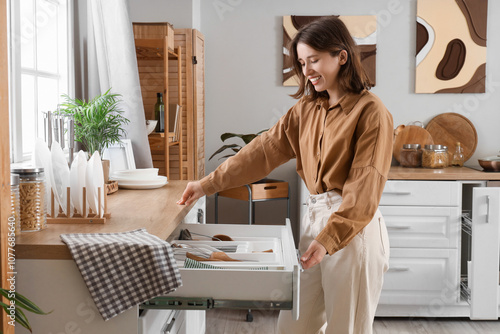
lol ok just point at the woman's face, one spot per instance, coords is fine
(320, 67)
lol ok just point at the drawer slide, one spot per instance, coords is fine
(179, 303)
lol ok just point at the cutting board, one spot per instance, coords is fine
(409, 134)
(449, 128)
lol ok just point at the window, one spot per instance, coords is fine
(40, 63)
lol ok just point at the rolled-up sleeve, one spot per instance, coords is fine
(257, 159)
(365, 182)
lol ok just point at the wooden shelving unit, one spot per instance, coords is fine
(153, 56)
(182, 79)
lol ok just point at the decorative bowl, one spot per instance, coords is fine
(151, 125)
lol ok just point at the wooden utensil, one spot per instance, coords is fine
(215, 256)
(409, 134)
(449, 128)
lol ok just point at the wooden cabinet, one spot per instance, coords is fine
(181, 78)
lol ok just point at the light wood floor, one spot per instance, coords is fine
(234, 322)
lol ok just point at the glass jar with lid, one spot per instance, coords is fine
(14, 219)
(33, 215)
(410, 155)
(435, 156)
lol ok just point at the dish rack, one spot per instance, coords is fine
(88, 216)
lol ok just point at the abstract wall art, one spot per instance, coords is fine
(451, 46)
(363, 29)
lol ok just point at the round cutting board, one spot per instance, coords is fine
(409, 134)
(449, 128)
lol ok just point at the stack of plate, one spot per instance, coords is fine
(144, 178)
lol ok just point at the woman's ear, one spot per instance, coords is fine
(343, 57)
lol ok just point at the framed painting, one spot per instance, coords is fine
(451, 46)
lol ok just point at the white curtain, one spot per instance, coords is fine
(112, 63)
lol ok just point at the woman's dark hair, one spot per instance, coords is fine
(331, 35)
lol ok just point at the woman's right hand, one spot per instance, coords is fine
(192, 192)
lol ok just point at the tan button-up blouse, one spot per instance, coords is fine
(346, 147)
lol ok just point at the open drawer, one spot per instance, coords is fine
(260, 280)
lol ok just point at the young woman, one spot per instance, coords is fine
(341, 136)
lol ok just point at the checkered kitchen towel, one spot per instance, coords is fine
(122, 270)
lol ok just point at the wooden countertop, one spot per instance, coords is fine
(155, 210)
(449, 173)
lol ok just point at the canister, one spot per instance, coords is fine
(435, 156)
(411, 155)
(14, 219)
(33, 215)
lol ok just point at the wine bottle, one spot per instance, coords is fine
(160, 113)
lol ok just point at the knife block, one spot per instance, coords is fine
(88, 217)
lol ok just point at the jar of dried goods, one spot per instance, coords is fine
(32, 198)
(435, 156)
(411, 155)
(14, 220)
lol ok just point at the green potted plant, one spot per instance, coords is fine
(18, 302)
(247, 138)
(98, 122)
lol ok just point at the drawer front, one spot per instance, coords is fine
(267, 280)
(421, 277)
(414, 193)
(422, 227)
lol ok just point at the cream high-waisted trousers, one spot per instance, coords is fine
(340, 294)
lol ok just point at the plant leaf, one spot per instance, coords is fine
(227, 135)
(224, 148)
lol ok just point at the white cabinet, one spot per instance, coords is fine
(436, 269)
(423, 222)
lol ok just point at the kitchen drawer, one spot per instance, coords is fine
(263, 280)
(422, 227)
(429, 193)
(421, 277)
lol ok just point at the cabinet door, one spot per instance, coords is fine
(484, 266)
(422, 227)
(421, 277)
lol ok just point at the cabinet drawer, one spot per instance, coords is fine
(262, 280)
(430, 193)
(421, 277)
(422, 227)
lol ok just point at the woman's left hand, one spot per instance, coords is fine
(314, 254)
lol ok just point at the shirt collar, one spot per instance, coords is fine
(346, 102)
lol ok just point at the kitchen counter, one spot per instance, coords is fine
(449, 173)
(155, 210)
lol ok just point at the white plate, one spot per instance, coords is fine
(94, 178)
(136, 174)
(42, 158)
(159, 182)
(152, 181)
(77, 180)
(60, 179)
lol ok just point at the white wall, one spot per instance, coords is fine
(177, 12)
(243, 73)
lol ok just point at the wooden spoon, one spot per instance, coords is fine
(221, 237)
(215, 256)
